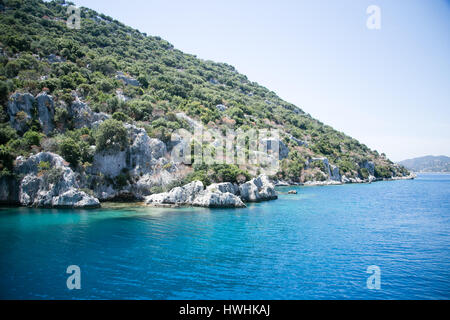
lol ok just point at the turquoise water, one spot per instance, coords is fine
(314, 245)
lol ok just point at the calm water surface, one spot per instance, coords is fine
(314, 245)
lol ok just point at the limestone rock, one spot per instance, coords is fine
(226, 187)
(83, 116)
(127, 80)
(56, 187)
(257, 190)
(209, 199)
(178, 196)
(46, 111)
(20, 107)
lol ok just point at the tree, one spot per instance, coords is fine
(70, 151)
(111, 135)
(6, 134)
(32, 138)
(4, 92)
(120, 116)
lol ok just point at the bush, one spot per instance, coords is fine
(120, 116)
(364, 173)
(383, 172)
(6, 134)
(6, 161)
(111, 135)
(4, 92)
(70, 151)
(32, 138)
(44, 166)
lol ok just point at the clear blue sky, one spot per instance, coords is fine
(388, 88)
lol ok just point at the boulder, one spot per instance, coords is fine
(221, 107)
(292, 192)
(209, 199)
(178, 196)
(224, 188)
(257, 190)
(53, 187)
(219, 195)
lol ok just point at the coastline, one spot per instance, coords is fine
(340, 183)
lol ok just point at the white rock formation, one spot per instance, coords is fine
(19, 109)
(257, 190)
(55, 187)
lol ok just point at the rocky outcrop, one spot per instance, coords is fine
(221, 107)
(226, 187)
(82, 115)
(50, 183)
(332, 171)
(145, 163)
(53, 58)
(257, 190)
(178, 196)
(46, 112)
(219, 195)
(209, 199)
(127, 80)
(298, 142)
(23, 107)
(370, 166)
(19, 109)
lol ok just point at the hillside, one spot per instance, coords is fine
(428, 164)
(89, 95)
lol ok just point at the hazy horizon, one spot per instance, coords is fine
(387, 88)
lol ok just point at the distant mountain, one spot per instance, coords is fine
(428, 164)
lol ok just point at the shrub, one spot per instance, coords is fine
(4, 92)
(70, 151)
(364, 173)
(6, 161)
(6, 134)
(120, 116)
(43, 166)
(111, 135)
(32, 138)
(383, 172)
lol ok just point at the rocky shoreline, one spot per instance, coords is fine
(218, 195)
(412, 176)
(138, 170)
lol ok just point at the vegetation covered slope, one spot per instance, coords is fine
(101, 63)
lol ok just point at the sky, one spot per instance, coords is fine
(389, 87)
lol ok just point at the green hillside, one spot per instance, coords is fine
(144, 79)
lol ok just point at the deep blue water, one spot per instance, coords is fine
(314, 245)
